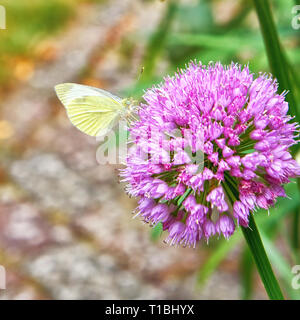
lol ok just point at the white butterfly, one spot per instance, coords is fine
(93, 111)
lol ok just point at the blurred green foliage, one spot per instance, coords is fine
(28, 23)
(197, 31)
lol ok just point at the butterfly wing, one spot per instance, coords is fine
(69, 91)
(91, 110)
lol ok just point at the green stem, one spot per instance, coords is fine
(276, 56)
(266, 273)
(256, 246)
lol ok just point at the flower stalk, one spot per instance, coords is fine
(276, 56)
(264, 268)
(255, 244)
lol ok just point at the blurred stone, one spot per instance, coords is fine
(75, 272)
(62, 235)
(113, 228)
(22, 228)
(20, 293)
(46, 177)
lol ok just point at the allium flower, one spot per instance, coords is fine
(210, 146)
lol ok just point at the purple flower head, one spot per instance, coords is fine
(210, 146)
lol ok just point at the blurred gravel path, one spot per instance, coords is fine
(65, 226)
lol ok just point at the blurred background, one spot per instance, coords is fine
(66, 229)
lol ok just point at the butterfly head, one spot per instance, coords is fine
(130, 104)
(131, 108)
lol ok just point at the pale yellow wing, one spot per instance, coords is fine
(91, 110)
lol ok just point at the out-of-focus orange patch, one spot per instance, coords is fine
(24, 69)
(6, 130)
(93, 82)
(46, 51)
(3, 176)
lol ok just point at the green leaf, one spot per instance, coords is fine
(282, 266)
(283, 208)
(247, 272)
(157, 41)
(214, 260)
(230, 43)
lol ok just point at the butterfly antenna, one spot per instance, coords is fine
(138, 78)
(140, 74)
